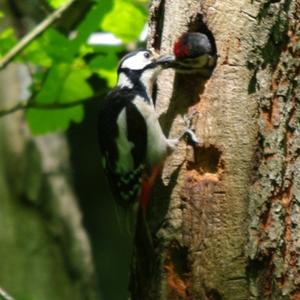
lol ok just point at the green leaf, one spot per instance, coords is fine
(110, 76)
(53, 84)
(63, 84)
(105, 66)
(126, 21)
(43, 121)
(76, 87)
(51, 47)
(7, 40)
(57, 3)
(106, 61)
(91, 23)
(36, 54)
(57, 46)
(66, 78)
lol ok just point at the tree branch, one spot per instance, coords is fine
(4, 295)
(13, 109)
(39, 29)
(49, 106)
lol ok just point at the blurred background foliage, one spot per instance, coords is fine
(62, 69)
(65, 68)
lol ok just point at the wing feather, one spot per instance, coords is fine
(125, 183)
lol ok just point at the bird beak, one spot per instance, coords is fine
(165, 61)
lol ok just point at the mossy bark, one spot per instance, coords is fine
(224, 216)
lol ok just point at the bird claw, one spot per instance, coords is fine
(189, 134)
(191, 138)
(188, 119)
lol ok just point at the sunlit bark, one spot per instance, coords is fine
(224, 217)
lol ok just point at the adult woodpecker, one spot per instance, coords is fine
(131, 139)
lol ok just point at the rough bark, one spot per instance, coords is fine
(274, 243)
(224, 216)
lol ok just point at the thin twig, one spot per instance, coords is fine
(27, 39)
(48, 106)
(65, 105)
(4, 295)
(19, 106)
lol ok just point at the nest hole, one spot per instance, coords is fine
(197, 24)
(207, 160)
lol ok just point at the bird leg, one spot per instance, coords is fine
(188, 134)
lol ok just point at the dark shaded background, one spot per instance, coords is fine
(111, 247)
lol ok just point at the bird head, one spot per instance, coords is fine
(143, 66)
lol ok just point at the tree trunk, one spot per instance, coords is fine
(44, 250)
(225, 217)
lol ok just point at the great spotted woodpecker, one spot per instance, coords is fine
(131, 138)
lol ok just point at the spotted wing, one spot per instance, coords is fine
(123, 141)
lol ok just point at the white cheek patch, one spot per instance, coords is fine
(125, 160)
(136, 62)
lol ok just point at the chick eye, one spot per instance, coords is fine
(147, 54)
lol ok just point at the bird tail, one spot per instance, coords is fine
(127, 218)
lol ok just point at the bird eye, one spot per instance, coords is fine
(147, 54)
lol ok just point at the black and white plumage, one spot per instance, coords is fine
(131, 138)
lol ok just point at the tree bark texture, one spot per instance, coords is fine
(274, 244)
(225, 217)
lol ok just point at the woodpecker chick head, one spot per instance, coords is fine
(192, 45)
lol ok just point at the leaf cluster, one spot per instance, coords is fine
(63, 62)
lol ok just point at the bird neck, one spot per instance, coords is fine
(147, 79)
(142, 80)
(124, 81)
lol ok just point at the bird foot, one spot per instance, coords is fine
(189, 134)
